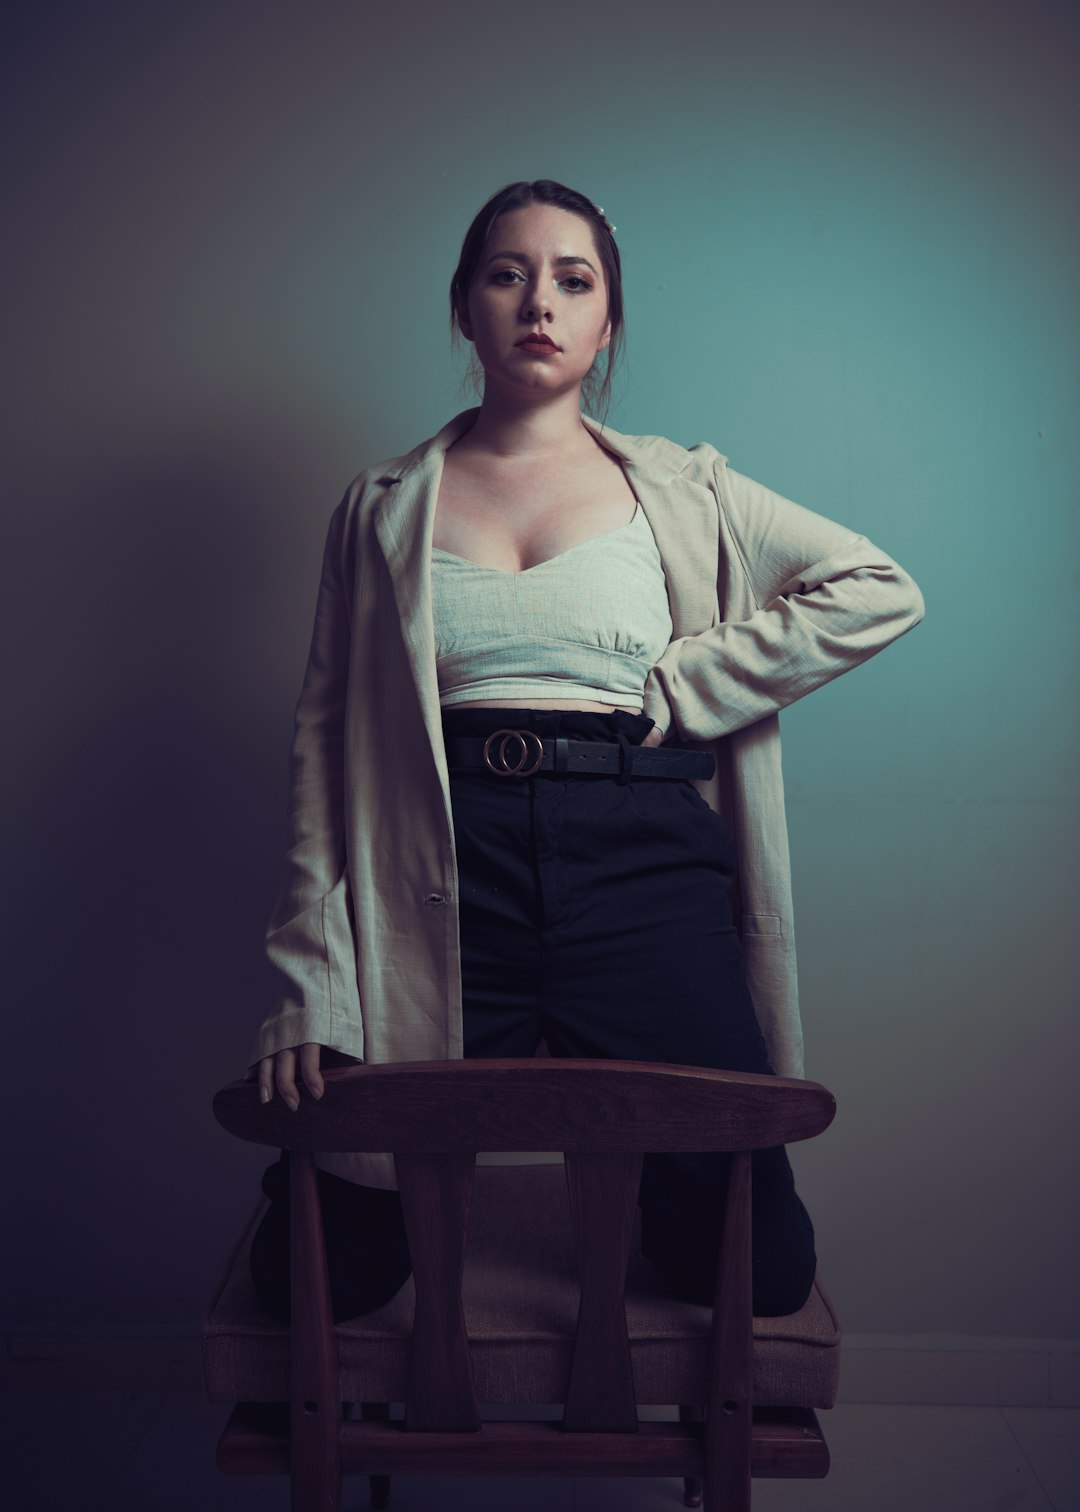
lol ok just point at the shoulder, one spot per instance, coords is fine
(704, 465)
(357, 509)
(698, 463)
(373, 481)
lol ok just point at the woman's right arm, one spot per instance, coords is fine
(310, 939)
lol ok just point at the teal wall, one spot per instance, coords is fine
(849, 238)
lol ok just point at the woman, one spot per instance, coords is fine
(537, 644)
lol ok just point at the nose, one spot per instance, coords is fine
(536, 303)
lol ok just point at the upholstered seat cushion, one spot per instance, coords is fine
(521, 1308)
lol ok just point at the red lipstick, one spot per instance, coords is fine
(537, 341)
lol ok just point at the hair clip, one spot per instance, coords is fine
(603, 217)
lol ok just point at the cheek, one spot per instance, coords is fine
(489, 314)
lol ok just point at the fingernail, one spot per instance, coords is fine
(317, 1092)
(264, 1094)
(294, 1105)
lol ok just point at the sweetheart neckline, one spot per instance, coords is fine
(509, 572)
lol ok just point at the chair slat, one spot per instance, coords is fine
(530, 1448)
(436, 1195)
(727, 1407)
(603, 1199)
(788, 1443)
(583, 1105)
(313, 1363)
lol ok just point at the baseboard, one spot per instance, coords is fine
(926, 1370)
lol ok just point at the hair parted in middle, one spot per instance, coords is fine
(596, 389)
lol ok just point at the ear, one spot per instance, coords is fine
(463, 320)
(605, 338)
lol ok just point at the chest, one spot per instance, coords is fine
(512, 519)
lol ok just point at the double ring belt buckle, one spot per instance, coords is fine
(506, 761)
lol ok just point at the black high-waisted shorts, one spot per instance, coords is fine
(594, 917)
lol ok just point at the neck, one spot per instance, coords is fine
(505, 428)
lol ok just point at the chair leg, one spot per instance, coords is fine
(377, 1412)
(693, 1486)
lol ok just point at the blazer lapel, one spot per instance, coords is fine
(404, 523)
(684, 518)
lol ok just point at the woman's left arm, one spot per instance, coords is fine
(816, 600)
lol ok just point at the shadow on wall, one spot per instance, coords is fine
(152, 797)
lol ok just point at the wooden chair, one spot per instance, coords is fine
(524, 1328)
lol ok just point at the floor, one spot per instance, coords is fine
(120, 1452)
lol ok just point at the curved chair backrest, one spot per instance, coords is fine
(570, 1105)
(604, 1116)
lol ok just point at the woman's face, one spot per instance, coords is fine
(539, 273)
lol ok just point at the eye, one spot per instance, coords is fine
(583, 284)
(505, 276)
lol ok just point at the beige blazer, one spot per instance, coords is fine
(768, 601)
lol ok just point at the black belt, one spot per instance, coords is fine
(520, 753)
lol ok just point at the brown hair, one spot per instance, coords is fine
(596, 389)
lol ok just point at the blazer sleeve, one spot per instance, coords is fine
(310, 939)
(819, 600)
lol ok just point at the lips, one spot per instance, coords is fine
(537, 339)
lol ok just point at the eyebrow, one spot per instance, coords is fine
(524, 257)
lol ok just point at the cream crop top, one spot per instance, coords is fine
(589, 623)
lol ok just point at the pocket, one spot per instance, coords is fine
(342, 967)
(711, 828)
(338, 930)
(763, 924)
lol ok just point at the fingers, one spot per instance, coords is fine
(284, 1064)
(654, 737)
(285, 1077)
(309, 1069)
(280, 1070)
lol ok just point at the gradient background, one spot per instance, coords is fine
(849, 237)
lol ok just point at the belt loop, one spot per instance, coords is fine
(562, 754)
(626, 760)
